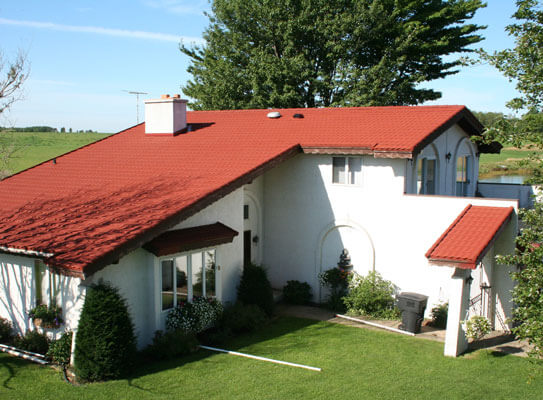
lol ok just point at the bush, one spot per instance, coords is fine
(6, 331)
(196, 316)
(373, 296)
(171, 344)
(477, 327)
(33, 341)
(60, 350)
(241, 318)
(439, 315)
(296, 292)
(337, 280)
(105, 344)
(255, 288)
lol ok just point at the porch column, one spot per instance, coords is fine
(455, 338)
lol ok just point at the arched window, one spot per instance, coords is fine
(427, 171)
(464, 168)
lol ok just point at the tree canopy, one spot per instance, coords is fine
(312, 53)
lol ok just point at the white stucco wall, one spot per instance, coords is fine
(308, 220)
(18, 288)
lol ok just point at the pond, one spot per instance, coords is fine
(515, 179)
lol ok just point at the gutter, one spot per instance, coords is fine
(33, 253)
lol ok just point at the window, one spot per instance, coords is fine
(426, 176)
(346, 170)
(463, 169)
(39, 272)
(246, 211)
(191, 275)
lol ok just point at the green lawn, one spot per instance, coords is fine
(357, 364)
(35, 147)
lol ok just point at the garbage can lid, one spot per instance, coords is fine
(413, 296)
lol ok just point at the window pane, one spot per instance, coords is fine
(355, 170)
(197, 274)
(420, 176)
(246, 211)
(430, 176)
(181, 278)
(210, 273)
(167, 284)
(338, 170)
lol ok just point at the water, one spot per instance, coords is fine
(515, 179)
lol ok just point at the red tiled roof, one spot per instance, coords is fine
(104, 200)
(198, 237)
(470, 236)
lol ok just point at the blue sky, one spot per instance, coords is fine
(84, 55)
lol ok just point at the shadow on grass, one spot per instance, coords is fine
(11, 364)
(277, 327)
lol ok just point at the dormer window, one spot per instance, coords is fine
(347, 170)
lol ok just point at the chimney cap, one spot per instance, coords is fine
(165, 96)
(176, 96)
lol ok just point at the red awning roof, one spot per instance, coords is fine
(469, 237)
(198, 237)
(98, 203)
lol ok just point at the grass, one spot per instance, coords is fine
(32, 148)
(505, 163)
(357, 364)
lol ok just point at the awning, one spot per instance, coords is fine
(470, 236)
(198, 237)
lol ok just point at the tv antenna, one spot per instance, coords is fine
(137, 102)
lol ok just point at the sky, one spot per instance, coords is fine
(85, 56)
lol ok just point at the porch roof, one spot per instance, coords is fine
(198, 237)
(467, 240)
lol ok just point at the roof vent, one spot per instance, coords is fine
(274, 114)
(298, 115)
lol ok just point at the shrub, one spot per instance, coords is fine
(194, 317)
(373, 296)
(171, 344)
(105, 344)
(60, 350)
(296, 292)
(477, 327)
(33, 341)
(241, 318)
(439, 315)
(6, 331)
(49, 316)
(255, 288)
(337, 280)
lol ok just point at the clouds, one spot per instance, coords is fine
(180, 7)
(134, 34)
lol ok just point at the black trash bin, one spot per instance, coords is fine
(412, 306)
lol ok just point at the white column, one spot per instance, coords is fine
(455, 339)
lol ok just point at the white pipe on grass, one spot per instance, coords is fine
(21, 354)
(375, 325)
(235, 353)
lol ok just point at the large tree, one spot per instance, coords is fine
(524, 65)
(311, 53)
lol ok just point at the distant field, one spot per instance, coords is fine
(35, 147)
(505, 163)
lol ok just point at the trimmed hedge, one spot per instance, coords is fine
(255, 288)
(296, 292)
(105, 342)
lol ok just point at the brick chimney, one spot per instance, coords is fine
(165, 116)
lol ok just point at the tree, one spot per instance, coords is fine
(524, 65)
(12, 76)
(312, 53)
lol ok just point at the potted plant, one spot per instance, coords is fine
(48, 317)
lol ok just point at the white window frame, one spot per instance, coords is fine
(357, 176)
(424, 175)
(188, 256)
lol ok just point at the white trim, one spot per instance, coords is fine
(33, 253)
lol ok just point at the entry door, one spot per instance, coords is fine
(246, 247)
